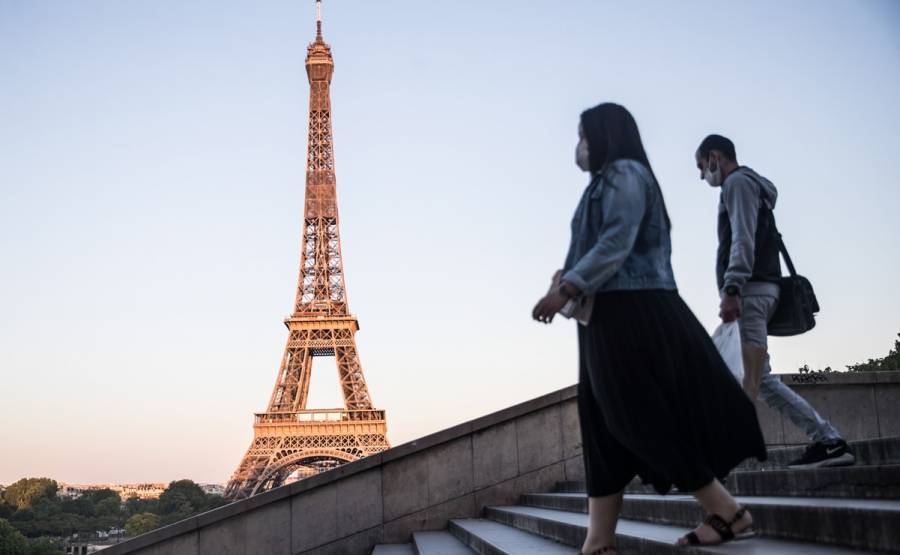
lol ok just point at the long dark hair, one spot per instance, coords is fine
(612, 134)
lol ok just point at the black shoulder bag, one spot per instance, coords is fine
(797, 304)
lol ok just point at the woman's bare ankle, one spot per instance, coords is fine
(593, 545)
(716, 500)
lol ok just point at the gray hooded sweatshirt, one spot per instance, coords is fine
(748, 244)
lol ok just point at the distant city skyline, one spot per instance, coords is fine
(149, 490)
(151, 193)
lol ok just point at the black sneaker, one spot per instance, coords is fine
(819, 454)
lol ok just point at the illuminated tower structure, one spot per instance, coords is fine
(289, 438)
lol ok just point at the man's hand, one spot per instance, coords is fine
(730, 308)
(547, 307)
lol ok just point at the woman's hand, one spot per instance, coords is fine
(547, 307)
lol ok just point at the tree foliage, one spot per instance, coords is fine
(6, 510)
(142, 523)
(98, 495)
(37, 512)
(81, 506)
(26, 491)
(889, 363)
(135, 505)
(23, 515)
(182, 499)
(44, 546)
(45, 509)
(12, 542)
(109, 506)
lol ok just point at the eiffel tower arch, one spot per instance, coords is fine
(290, 438)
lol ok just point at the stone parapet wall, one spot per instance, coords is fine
(456, 472)
(863, 405)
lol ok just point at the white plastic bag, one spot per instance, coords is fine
(727, 339)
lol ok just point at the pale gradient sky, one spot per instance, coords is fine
(151, 190)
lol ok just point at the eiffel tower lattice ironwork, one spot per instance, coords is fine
(288, 437)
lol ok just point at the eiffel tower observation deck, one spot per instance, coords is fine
(289, 439)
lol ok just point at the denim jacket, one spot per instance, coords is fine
(620, 236)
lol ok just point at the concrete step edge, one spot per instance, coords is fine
(394, 549)
(856, 523)
(644, 537)
(472, 541)
(438, 542)
(482, 536)
(864, 482)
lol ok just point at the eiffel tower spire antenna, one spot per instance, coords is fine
(289, 439)
(319, 20)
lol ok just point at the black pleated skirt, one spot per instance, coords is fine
(656, 400)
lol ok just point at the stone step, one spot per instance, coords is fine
(856, 482)
(858, 523)
(487, 537)
(394, 549)
(641, 537)
(882, 451)
(439, 543)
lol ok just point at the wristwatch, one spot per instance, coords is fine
(732, 291)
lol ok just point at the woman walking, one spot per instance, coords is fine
(655, 398)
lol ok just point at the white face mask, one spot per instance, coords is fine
(714, 178)
(582, 158)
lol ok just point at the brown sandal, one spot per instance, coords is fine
(721, 527)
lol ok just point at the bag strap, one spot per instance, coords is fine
(781, 248)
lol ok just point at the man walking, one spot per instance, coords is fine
(747, 271)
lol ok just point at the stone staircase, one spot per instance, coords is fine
(828, 511)
(482, 486)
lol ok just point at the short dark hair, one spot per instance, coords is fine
(720, 143)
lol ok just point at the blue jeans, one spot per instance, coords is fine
(756, 311)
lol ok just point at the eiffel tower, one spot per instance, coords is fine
(289, 438)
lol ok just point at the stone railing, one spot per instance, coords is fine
(860, 405)
(456, 472)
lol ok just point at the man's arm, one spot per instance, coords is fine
(741, 196)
